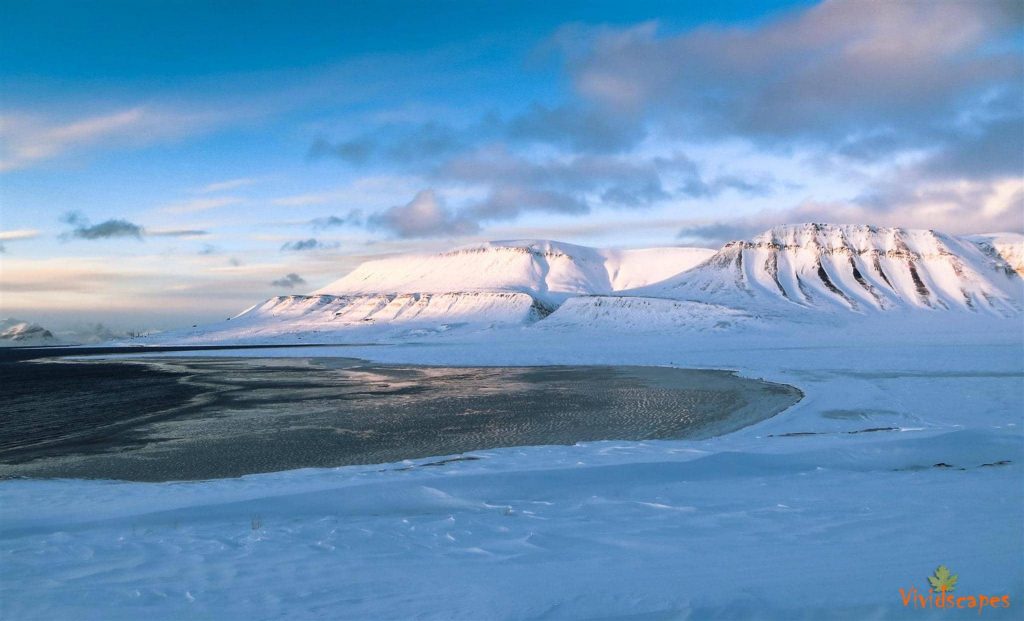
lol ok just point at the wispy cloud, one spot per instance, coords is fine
(176, 232)
(223, 186)
(201, 204)
(29, 139)
(30, 142)
(18, 234)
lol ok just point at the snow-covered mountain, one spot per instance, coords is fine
(853, 268)
(1007, 246)
(484, 285)
(548, 271)
(18, 333)
(802, 273)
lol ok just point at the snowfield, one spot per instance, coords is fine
(905, 453)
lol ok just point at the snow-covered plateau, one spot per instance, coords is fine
(905, 453)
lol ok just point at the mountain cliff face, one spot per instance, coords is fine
(853, 268)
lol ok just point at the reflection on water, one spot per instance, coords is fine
(195, 418)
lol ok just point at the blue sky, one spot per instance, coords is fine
(173, 162)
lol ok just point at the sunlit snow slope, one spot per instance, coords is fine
(546, 270)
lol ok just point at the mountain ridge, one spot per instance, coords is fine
(851, 267)
(807, 274)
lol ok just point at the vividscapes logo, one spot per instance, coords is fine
(940, 595)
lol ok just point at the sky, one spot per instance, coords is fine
(166, 163)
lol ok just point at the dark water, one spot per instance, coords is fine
(197, 418)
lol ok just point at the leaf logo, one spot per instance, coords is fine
(943, 580)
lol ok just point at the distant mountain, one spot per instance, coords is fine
(18, 333)
(803, 273)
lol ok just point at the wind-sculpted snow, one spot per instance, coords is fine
(853, 268)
